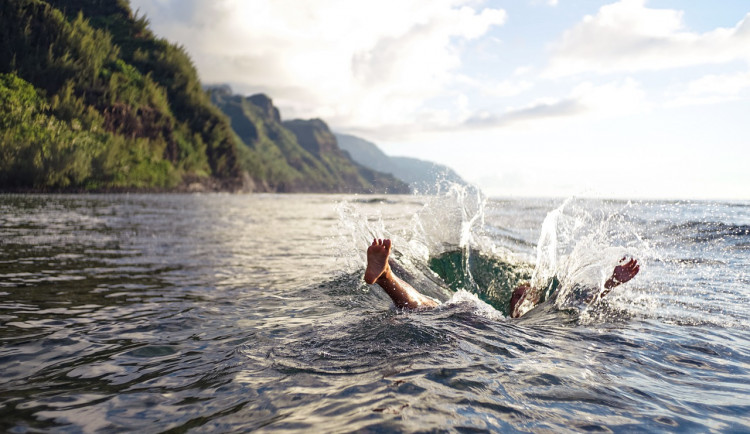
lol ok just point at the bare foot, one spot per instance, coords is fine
(378, 271)
(622, 273)
(377, 260)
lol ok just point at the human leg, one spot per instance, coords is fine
(378, 271)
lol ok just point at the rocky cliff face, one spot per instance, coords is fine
(314, 135)
(297, 156)
(264, 103)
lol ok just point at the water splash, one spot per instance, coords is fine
(577, 245)
(547, 255)
(451, 221)
(449, 228)
(580, 244)
(435, 224)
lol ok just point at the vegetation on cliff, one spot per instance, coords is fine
(92, 100)
(297, 155)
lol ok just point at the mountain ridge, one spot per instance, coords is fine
(298, 155)
(422, 176)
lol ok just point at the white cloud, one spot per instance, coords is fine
(523, 70)
(628, 36)
(586, 101)
(543, 109)
(617, 98)
(545, 2)
(710, 89)
(350, 62)
(498, 89)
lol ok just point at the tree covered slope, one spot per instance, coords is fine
(103, 103)
(91, 99)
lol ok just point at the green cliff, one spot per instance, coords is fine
(297, 155)
(92, 100)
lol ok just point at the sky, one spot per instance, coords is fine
(545, 98)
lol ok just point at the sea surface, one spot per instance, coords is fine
(233, 313)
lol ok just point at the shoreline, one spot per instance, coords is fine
(189, 184)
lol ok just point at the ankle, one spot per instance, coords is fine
(385, 276)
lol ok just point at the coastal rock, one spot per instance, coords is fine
(265, 103)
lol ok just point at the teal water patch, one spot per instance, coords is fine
(490, 278)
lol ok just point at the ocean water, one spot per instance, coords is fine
(231, 313)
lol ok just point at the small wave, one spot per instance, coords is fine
(701, 231)
(689, 261)
(373, 200)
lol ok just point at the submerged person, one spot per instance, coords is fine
(524, 297)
